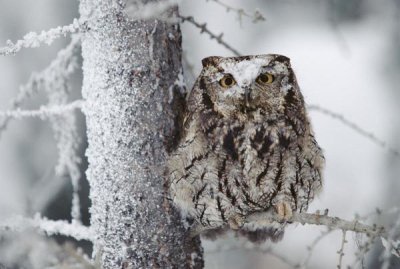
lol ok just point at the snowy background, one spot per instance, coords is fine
(346, 55)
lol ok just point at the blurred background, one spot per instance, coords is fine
(346, 55)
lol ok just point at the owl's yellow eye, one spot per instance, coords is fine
(227, 81)
(265, 78)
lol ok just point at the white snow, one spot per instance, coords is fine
(245, 72)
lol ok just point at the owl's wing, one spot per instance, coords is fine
(187, 118)
(178, 132)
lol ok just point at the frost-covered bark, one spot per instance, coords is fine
(131, 69)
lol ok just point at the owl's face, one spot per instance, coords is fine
(241, 86)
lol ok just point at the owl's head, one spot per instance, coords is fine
(240, 86)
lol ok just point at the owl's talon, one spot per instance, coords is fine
(236, 222)
(284, 210)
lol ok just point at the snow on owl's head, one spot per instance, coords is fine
(242, 86)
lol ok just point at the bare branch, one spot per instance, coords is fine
(203, 29)
(311, 247)
(54, 81)
(391, 247)
(79, 256)
(247, 246)
(341, 250)
(34, 40)
(43, 112)
(48, 227)
(363, 248)
(257, 16)
(355, 127)
(333, 223)
(261, 219)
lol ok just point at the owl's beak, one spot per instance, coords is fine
(247, 92)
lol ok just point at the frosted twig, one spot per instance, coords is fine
(256, 16)
(64, 60)
(282, 258)
(333, 223)
(311, 247)
(203, 29)
(341, 250)
(33, 40)
(317, 219)
(76, 258)
(244, 245)
(362, 250)
(48, 227)
(391, 246)
(57, 87)
(355, 127)
(379, 212)
(79, 256)
(340, 38)
(54, 80)
(43, 112)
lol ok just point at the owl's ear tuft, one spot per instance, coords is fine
(211, 60)
(282, 59)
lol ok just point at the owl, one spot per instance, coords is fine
(246, 146)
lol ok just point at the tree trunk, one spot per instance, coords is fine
(130, 71)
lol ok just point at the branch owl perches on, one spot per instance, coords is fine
(247, 146)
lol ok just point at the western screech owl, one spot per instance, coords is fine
(247, 146)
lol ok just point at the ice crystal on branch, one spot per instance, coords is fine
(65, 60)
(46, 226)
(34, 40)
(55, 82)
(43, 112)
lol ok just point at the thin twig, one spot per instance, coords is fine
(311, 247)
(334, 223)
(203, 29)
(316, 219)
(64, 59)
(363, 248)
(48, 227)
(261, 219)
(341, 250)
(43, 112)
(387, 253)
(282, 258)
(245, 246)
(378, 212)
(355, 127)
(79, 256)
(256, 16)
(34, 40)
